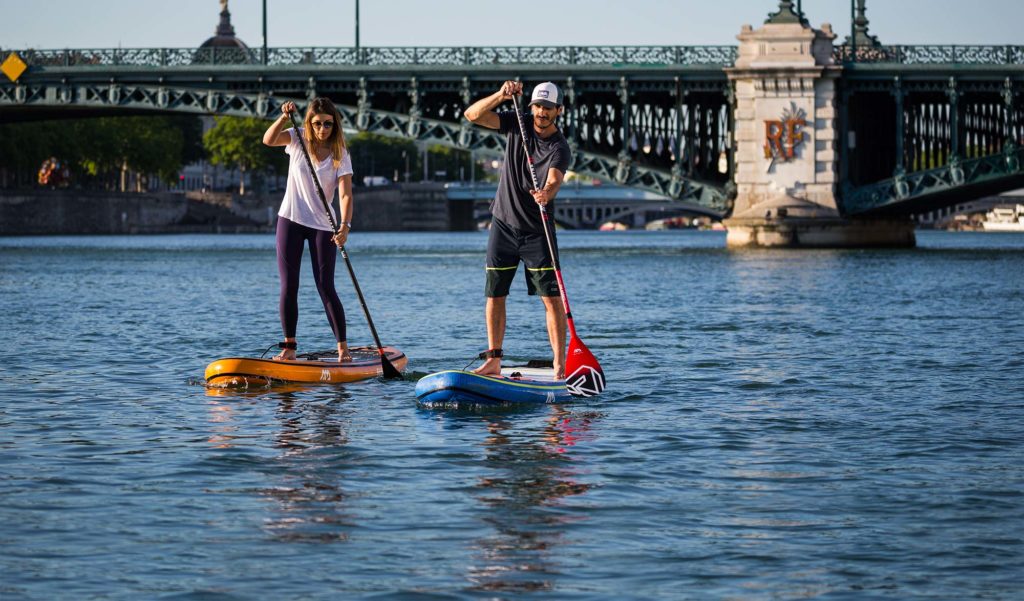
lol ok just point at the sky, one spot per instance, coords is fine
(48, 24)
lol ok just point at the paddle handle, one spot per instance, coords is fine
(546, 221)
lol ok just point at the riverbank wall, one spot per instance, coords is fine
(404, 207)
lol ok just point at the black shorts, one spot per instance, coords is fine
(506, 246)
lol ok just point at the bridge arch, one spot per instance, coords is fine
(28, 101)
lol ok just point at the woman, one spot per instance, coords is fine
(302, 217)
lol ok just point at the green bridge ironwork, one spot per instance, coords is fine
(400, 56)
(927, 126)
(918, 124)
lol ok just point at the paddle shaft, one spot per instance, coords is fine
(549, 236)
(389, 370)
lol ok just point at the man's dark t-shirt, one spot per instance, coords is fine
(513, 203)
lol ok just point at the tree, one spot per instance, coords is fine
(141, 144)
(94, 147)
(23, 148)
(237, 142)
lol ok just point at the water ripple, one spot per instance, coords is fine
(836, 424)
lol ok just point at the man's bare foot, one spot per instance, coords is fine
(559, 372)
(491, 367)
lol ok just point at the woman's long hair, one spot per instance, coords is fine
(336, 142)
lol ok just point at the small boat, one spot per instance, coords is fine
(1004, 219)
(524, 384)
(320, 367)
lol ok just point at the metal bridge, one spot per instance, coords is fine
(924, 127)
(921, 126)
(589, 206)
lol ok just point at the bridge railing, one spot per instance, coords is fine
(458, 56)
(385, 56)
(930, 55)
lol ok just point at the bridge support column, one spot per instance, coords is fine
(786, 133)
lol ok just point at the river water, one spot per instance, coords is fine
(779, 424)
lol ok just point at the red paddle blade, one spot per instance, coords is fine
(583, 374)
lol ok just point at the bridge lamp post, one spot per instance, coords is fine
(264, 32)
(357, 31)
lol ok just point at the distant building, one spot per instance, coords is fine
(224, 36)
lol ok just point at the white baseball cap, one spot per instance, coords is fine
(547, 94)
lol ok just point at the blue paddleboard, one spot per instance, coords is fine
(514, 385)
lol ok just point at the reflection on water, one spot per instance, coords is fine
(531, 472)
(308, 502)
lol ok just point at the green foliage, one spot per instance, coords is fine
(24, 146)
(96, 149)
(238, 142)
(143, 144)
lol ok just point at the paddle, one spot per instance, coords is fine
(389, 370)
(584, 376)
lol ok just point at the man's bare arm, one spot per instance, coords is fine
(482, 112)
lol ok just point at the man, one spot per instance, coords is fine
(517, 229)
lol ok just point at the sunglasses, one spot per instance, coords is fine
(323, 125)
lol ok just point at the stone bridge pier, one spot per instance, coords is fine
(786, 143)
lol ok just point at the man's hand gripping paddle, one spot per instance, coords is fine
(390, 371)
(583, 374)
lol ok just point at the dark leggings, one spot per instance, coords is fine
(323, 253)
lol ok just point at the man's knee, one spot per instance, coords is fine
(553, 304)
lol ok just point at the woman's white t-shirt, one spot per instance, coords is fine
(301, 201)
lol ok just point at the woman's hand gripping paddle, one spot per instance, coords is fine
(583, 374)
(389, 370)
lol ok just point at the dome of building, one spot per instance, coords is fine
(225, 34)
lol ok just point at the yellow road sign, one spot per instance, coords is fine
(13, 66)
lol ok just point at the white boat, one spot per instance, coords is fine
(1004, 219)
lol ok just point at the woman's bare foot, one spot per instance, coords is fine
(491, 367)
(343, 355)
(285, 355)
(287, 350)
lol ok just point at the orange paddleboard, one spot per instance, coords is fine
(244, 371)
